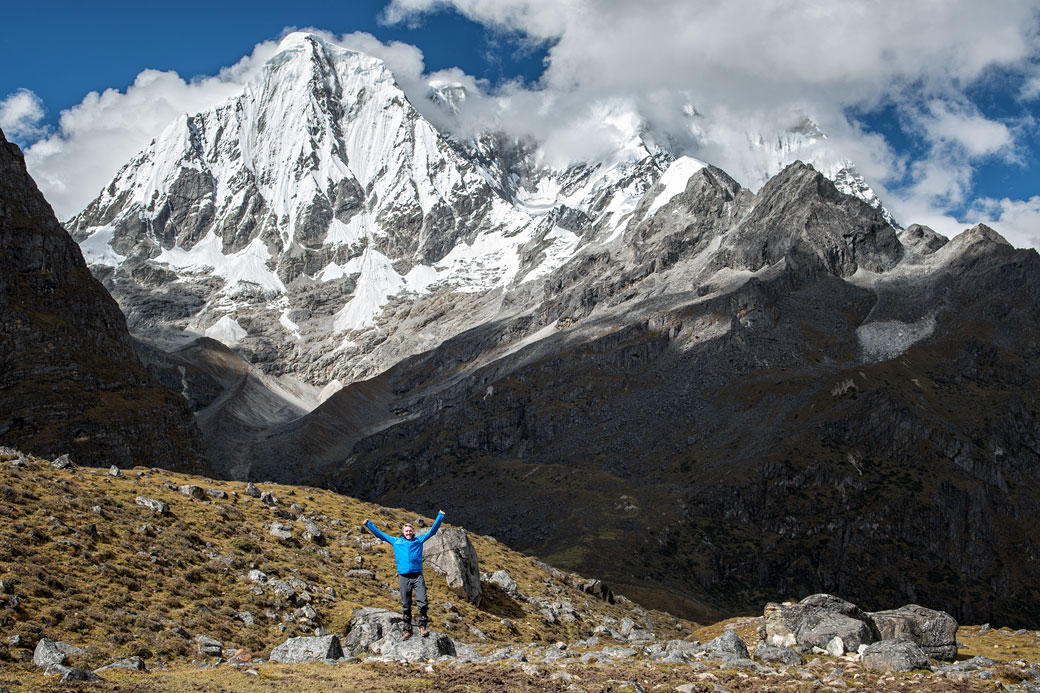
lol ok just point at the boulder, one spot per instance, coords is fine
(156, 506)
(48, 653)
(379, 631)
(935, 632)
(451, 553)
(767, 653)
(216, 493)
(308, 649)
(677, 651)
(816, 621)
(114, 471)
(209, 646)
(598, 589)
(894, 655)
(252, 490)
(727, 645)
(312, 532)
(268, 498)
(63, 462)
(281, 532)
(504, 581)
(192, 491)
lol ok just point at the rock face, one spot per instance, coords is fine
(71, 380)
(451, 553)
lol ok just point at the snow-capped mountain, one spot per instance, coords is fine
(286, 221)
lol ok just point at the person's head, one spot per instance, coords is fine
(408, 532)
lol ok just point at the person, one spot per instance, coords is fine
(408, 552)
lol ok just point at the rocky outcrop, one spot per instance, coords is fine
(837, 626)
(894, 655)
(70, 379)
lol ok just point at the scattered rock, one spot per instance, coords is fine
(132, 663)
(209, 646)
(252, 490)
(156, 506)
(767, 653)
(598, 589)
(268, 498)
(115, 471)
(63, 462)
(71, 674)
(504, 581)
(280, 531)
(192, 491)
(216, 493)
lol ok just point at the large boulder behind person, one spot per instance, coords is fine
(451, 553)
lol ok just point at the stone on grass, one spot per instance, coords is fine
(192, 491)
(47, 653)
(308, 649)
(451, 553)
(816, 621)
(379, 631)
(281, 532)
(156, 506)
(115, 471)
(132, 663)
(252, 490)
(209, 646)
(504, 581)
(63, 462)
(894, 655)
(71, 674)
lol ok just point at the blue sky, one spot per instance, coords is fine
(936, 102)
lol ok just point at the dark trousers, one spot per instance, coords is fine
(409, 582)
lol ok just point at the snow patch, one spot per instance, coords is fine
(248, 265)
(674, 181)
(97, 248)
(226, 330)
(378, 282)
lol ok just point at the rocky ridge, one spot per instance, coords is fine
(69, 374)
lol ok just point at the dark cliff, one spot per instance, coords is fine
(70, 381)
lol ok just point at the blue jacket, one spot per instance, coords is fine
(407, 552)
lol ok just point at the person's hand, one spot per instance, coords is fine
(440, 512)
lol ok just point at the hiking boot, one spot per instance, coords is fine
(407, 634)
(424, 631)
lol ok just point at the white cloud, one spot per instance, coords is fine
(948, 124)
(1016, 220)
(20, 115)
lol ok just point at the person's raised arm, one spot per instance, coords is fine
(433, 530)
(375, 530)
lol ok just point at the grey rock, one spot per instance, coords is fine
(729, 643)
(71, 674)
(209, 646)
(257, 576)
(156, 506)
(132, 663)
(115, 471)
(63, 462)
(674, 651)
(894, 655)
(312, 532)
(216, 493)
(268, 498)
(598, 589)
(451, 553)
(935, 632)
(308, 649)
(47, 653)
(379, 631)
(504, 581)
(280, 531)
(246, 617)
(816, 621)
(252, 490)
(779, 655)
(361, 574)
(192, 491)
